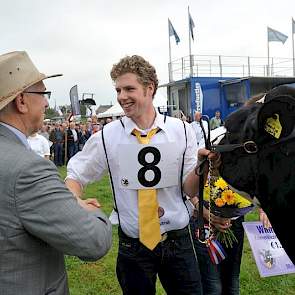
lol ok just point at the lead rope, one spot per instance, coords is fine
(214, 247)
(211, 181)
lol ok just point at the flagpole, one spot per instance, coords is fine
(267, 54)
(293, 46)
(170, 60)
(190, 44)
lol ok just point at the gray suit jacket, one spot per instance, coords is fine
(39, 221)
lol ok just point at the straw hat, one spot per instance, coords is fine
(17, 72)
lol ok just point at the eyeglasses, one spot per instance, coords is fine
(45, 94)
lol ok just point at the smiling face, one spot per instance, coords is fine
(135, 99)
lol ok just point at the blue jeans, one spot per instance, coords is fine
(73, 149)
(172, 260)
(58, 154)
(224, 278)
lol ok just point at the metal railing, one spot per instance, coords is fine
(230, 66)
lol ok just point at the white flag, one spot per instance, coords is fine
(276, 36)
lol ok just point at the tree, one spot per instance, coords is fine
(50, 113)
(83, 110)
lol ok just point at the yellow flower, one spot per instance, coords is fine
(206, 193)
(228, 197)
(242, 202)
(219, 202)
(220, 183)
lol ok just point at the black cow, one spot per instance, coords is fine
(269, 173)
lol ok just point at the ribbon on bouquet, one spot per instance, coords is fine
(215, 250)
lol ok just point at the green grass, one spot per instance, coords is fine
(99, 278)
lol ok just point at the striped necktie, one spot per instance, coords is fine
(148, 217)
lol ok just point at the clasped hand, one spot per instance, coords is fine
(90, 204)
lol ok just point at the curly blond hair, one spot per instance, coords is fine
(135, 64)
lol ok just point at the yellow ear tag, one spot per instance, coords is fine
(273, 126)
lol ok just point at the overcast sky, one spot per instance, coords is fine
(83, 39)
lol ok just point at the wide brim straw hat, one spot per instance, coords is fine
(17, 72)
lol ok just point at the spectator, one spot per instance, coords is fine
(39, 144)
(72, 140)
(57, 137)
(216, 121)
(83, 136)
(94, 119)
(198, 129)
(95, 128)
(44, 131)
(109, 120)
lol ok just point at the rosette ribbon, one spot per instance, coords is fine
(215, 250)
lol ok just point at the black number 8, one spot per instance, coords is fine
(149, 166)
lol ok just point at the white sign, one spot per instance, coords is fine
(199, 97)
(146, 166)
(270, 257)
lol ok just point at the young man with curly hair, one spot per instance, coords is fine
(151, 160)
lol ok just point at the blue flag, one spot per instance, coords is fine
(191, 26)
(276, 36)
(172, 31)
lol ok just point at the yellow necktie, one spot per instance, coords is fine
(148, 217)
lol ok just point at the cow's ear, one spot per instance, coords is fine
(276, 118)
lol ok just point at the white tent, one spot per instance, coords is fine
(159, 101)
(113, 111)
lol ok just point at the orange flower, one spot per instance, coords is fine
(219, 202)
(228, 197)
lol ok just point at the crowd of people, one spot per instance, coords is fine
(66, 136)
(43, 218)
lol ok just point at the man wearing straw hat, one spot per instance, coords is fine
(39, 218)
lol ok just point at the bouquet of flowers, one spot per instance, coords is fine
(226, 203)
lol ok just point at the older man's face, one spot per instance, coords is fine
(37, 105)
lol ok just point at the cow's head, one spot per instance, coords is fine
(269, 174)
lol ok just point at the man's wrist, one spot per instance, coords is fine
(196, 206)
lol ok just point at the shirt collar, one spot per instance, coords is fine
(129, 124)
(21, 136)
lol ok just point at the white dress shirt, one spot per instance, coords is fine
(90, 164)
(75, 135)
